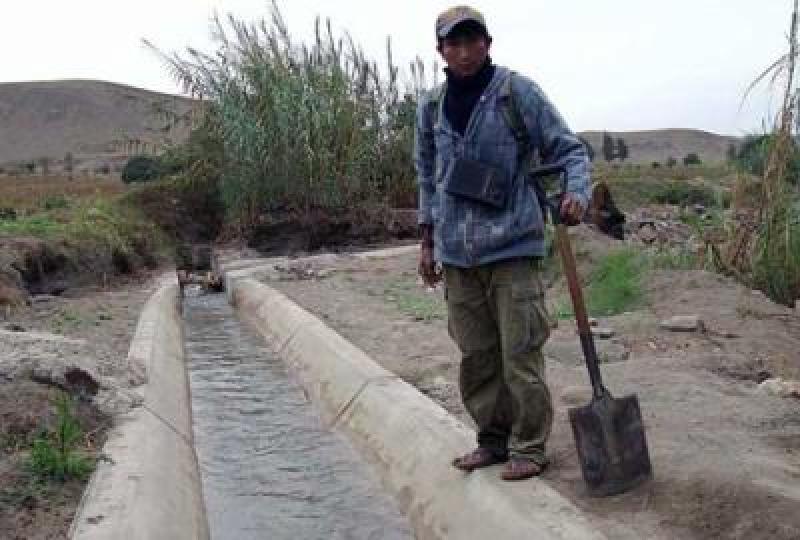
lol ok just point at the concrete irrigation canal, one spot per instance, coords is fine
(259, 421)
(269, 468)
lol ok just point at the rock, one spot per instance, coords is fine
(780, 388)
(648, 234)
(576, 395)
(569, 352)
(603, 333)
(42, 298)
(683, 323)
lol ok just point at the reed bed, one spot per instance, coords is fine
(302, 127)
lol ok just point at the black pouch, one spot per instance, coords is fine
(478, 182)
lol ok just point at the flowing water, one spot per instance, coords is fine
(269, 468)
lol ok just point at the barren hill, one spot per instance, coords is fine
(96, 120)
(661, 144)
(87, 118)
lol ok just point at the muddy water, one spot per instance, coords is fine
(269, 469)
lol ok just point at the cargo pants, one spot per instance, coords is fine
(498, 319)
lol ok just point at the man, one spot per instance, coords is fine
(482, 222)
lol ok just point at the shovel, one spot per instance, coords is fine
(609, 432)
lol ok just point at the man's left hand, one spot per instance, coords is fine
(571, 209)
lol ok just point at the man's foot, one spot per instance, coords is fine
(478, 458)
(520, 469)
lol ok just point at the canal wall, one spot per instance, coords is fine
(407, 437)
(147, 486)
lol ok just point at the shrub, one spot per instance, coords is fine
(141, 169)
(683, 194)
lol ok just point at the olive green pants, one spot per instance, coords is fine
(498, 319)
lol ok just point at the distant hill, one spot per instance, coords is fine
(91, 119)
(101, 123)
(661, 144)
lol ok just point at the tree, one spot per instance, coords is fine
(69, 164)
(731, 152)
(622, 149)
(44, 165)
(692, 159)
(588, 146)
(671, 162)
(608, 147)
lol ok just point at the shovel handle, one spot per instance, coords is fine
(570, 270)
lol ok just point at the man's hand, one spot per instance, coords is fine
(427, 267)
(571, 209)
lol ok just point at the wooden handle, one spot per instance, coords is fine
(578, 306)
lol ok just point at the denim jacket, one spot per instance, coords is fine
(468, 233)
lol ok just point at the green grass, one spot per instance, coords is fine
(415, 302)
(55, 453)
(614, 286)
(39, 225)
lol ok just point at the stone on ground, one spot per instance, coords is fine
(683, 323)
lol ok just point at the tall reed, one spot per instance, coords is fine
(765, 242)
(302, 126)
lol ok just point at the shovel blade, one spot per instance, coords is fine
(609, 435)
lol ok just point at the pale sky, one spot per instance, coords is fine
(606, 64)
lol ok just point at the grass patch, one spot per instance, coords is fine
(614, 286)
(415, 302)
(41, 226)
(55, 454)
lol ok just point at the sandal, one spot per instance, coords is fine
(477, 459)
(521, 469)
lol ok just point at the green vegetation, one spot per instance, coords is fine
(415, 302)
(301, 128)
(683, 194)
(763, 250)
(751, 157)
(55, 454)
(614, 286)
(36, 225)
(142, 169)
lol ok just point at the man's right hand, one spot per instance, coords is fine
(427, 267)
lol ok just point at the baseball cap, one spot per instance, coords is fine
(448, 19)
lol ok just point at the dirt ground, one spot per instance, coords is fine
(726, 457)
(91, 327)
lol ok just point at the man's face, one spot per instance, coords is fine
(464, 50)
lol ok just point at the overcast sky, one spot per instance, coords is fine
(610, 64)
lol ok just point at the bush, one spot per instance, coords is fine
(683, 194)
(141, 169)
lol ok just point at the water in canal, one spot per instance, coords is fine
(270, 470)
